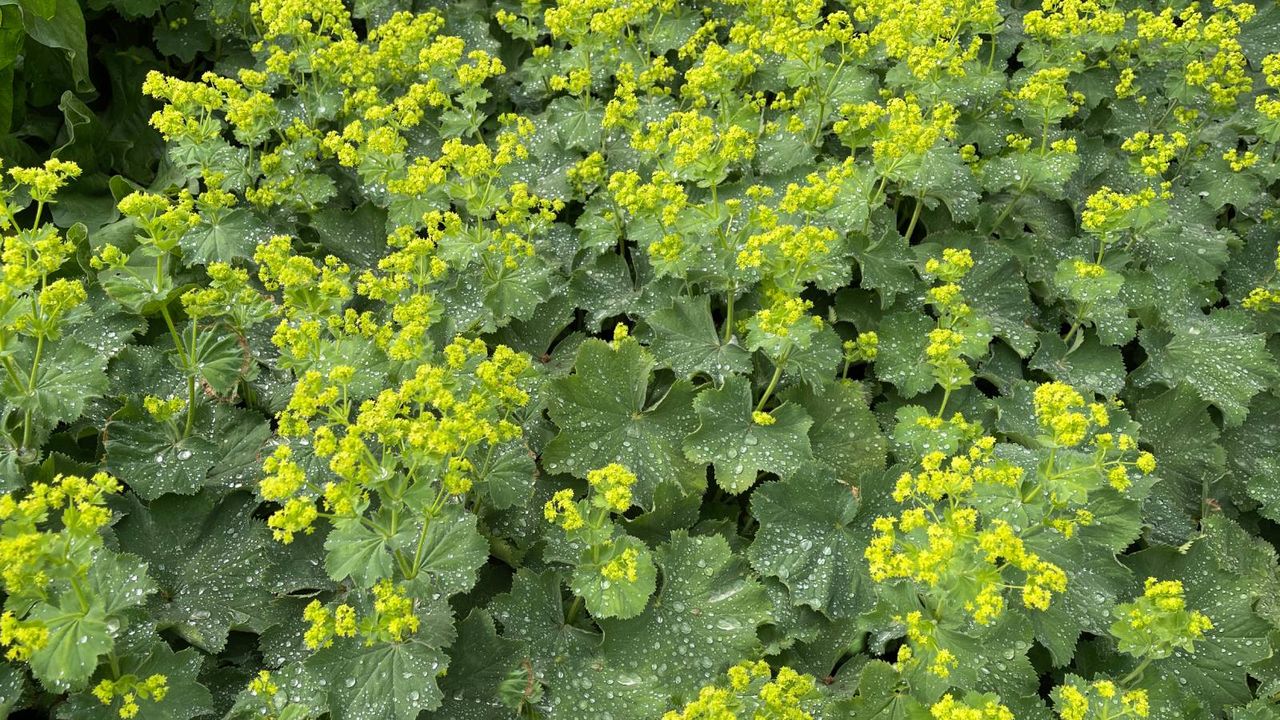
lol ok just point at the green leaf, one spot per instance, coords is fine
(1087, 365)
(69, 374)
(515, 293)
(13, 682)
(812, 539)
(507, 471)
(233, 235)
(604, 286)
(1095, 581)
(77, 638)
(153, 458)
(220, 360)
(738, 447)
(63, 29)
(685, 339)
(885, 264)
(452, 551)
(1224, 573)
(1218, 355)
(480, 665)
(1253, 454)
(618, 598)
(186, 697)
(355, 551)
(533, 613)
(384, 681)
(703, 619)
(904, 335)
(605, 416)
(845, 438)
(208, 557)
(84, 623)
(1183, 436)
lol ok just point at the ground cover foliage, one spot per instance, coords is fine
(881, 359)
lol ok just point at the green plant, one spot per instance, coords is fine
(649, 359)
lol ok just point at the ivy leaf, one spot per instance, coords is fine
(605, 416)
(811, 539)
(1219, 355)
(207, 557)
(685, 340)
(740, 448)
(620, 598)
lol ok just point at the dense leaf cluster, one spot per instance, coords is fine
(618, 359)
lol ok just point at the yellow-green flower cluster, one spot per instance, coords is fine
(1154, 151)
(44, 182)
(392, 620)
(958, 332)
(624, 566)
(901, 130)
(436, 415)
(21, 639)
(1062, 411)
(40, 551)
(932, 38)
(863, 348)
(943, 545)
(129, 689)
(1108, 211)
(753, 693)
(562, 509)
(1158, 622)
(612, 487)
(1206, 43)
(971, 708)
(1079, 700)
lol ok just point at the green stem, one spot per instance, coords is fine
(946, 396)
(915, 217)
(1137, 672)
(728, 315)
(773, 382)
(422, 536)
(573, 610)
(31, 388)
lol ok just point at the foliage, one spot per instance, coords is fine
(646, 359)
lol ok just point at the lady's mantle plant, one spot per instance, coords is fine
(651, 359)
